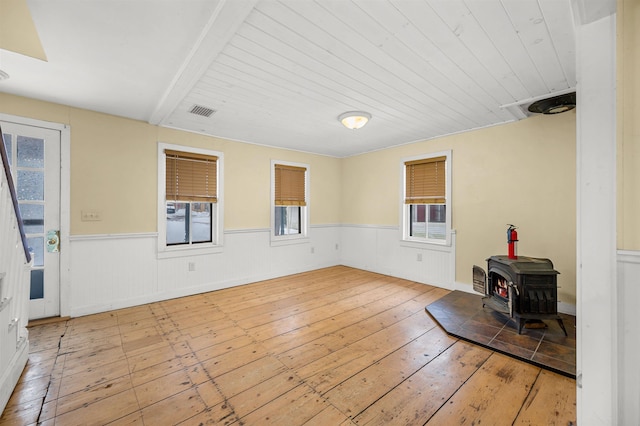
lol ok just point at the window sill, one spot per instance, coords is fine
(430, 245)
(184, 251)
(285, 241)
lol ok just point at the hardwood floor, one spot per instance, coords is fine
(337, 346)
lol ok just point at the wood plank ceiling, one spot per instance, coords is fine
(279, 72)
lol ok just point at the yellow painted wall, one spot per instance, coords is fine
(114, 171)
(542, 147)
(247, 178)
(628, 126)
(521, 173)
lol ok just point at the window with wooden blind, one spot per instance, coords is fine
(190, 196)
(191, 176)
(426, 216)
(289, 185)
(425, 181)
(289, 199)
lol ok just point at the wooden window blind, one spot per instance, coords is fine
(191, 177)
(426, 181)
(289, 185)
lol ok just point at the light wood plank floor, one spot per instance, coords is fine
(337, 346)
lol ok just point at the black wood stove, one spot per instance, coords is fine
(525, 288)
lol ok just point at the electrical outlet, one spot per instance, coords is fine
(91, 215)
(337, 246)
(419, 257)
(192, 266)
(313, 250)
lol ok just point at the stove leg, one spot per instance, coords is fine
(521, 322)
(561, 324)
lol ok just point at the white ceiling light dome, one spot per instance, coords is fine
(354, 119)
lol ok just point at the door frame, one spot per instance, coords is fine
(65, 201)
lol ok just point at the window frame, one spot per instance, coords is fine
(303, 236)
(405, 228)
(217, 209)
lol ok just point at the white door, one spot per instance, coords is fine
(34, 156)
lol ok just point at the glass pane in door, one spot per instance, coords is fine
(30, 185)
(36, 247)
(30, 152)
(32, 218)
(37, 284)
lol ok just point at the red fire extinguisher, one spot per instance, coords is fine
(512, 240)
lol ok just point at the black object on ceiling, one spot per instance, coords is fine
(555, 105)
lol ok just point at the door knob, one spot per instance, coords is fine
(53, 241)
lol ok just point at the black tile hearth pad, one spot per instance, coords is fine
(462, 315)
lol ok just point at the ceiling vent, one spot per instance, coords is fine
(555, 105)
(202, 111)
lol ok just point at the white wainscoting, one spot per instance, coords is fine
(116, 271)
(379, 249)
(111, 271)
(628, 337)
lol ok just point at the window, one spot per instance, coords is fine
(190, 199)
(426, 213)
(289, 195)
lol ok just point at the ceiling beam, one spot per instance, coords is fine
(222, 25)
(587, 11)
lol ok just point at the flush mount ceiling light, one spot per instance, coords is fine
(354, 119)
